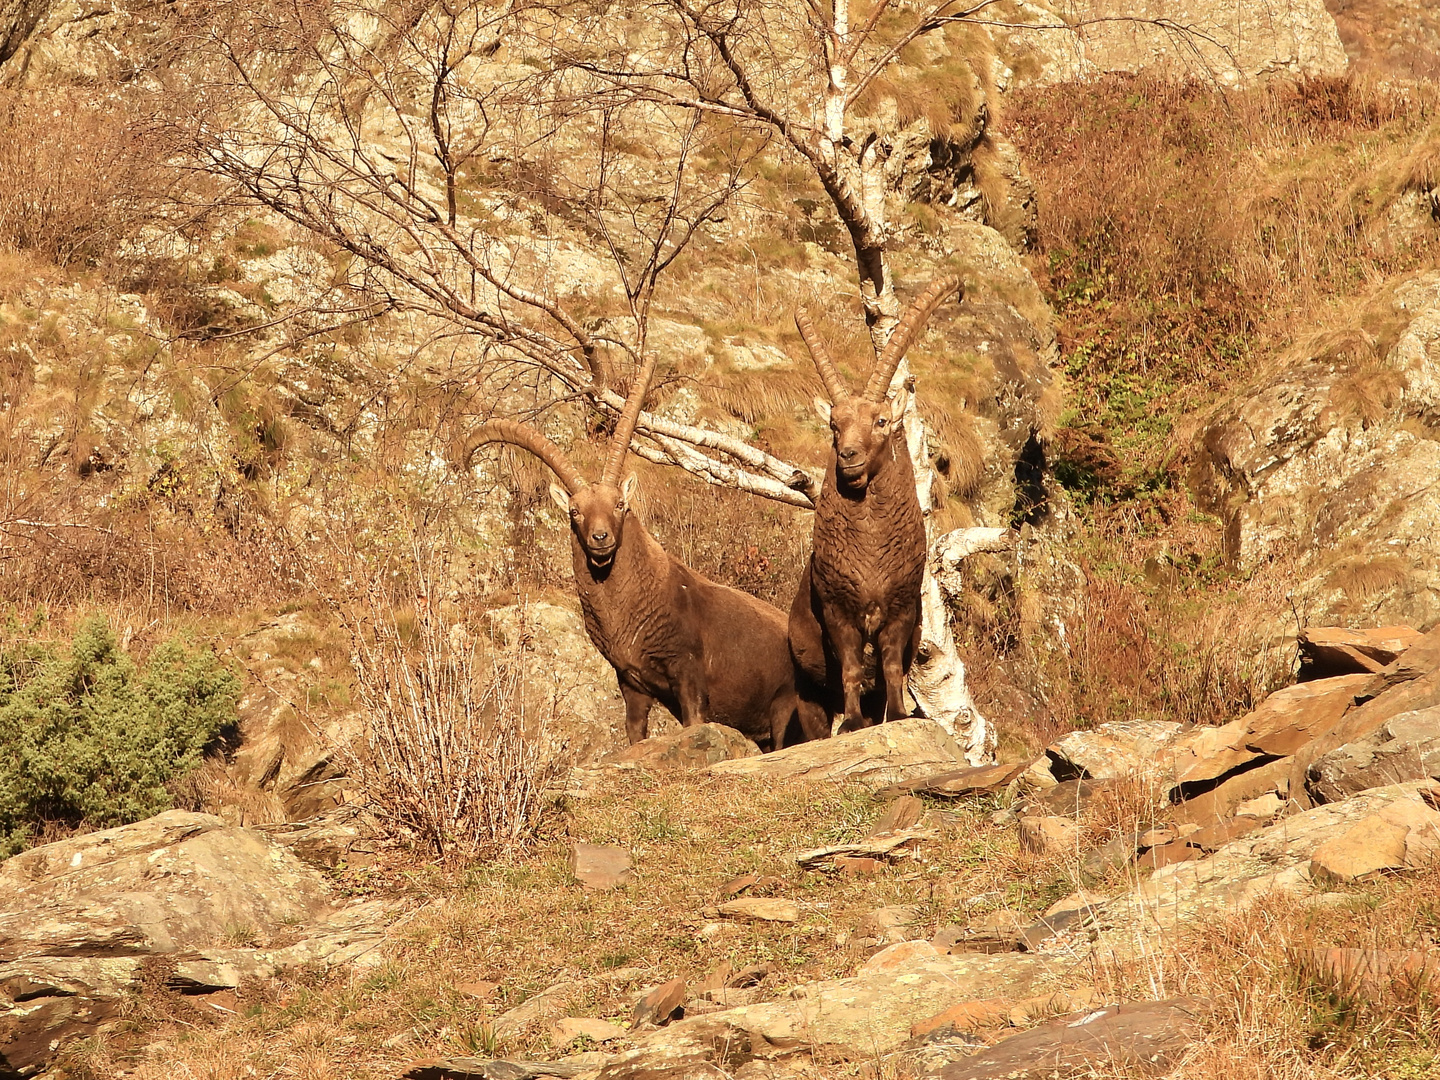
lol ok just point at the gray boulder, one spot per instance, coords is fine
(1406, 747)
(181, 895)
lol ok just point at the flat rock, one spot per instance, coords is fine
(175, 881)
(1147, 1035)
(549, 1004)
(1279, 726)
(1068, 798)
(884, 754)
(957, 783)
(1405, 747)
(898, 957)
(761, 909)
(1412, 695)
(688, 749)
(601, 866)
(967, 1018)
(904, 812)
(1111, 751)
(660, 1004)
(1401, 835)
(571, 1029)
(80, 917)
(1326, 651)
(854, 1018)
(1049, 835)
(343, 836)
(887, 846)
(888, 924)
(1273, 859)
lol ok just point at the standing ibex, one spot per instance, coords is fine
(862, 584)
(704, 651)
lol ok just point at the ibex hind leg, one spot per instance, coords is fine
(637, 713)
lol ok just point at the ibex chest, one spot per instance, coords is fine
(626, 616)
(870, 552)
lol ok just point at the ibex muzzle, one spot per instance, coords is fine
(861, 432)
(597, 517)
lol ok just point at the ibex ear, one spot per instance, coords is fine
(898, 405)
(627, 489)
(561, 497)
(822, 409)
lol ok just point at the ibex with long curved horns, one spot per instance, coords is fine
(704, 651)
(862, 584)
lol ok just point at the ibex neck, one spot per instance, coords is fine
(615, 602)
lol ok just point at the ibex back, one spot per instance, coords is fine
(861, 587)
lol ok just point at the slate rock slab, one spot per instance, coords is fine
(1145, 1036)
(175, 881)
(1326, 651)
(599, 867)
(884, 754)
(1405, 747)
(761, 909)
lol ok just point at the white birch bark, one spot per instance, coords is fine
(937, 677)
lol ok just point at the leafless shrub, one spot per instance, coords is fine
(448, 756)
(76, 175)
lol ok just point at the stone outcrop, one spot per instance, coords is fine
(853, 1018)
(696, 747)
(1405, 747)
(1146, 1035)
(1327, 463)
(1108, 752)
(1233, 42)
(204, 905)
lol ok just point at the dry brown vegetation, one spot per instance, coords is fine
(1185, 231)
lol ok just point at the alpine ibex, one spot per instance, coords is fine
(704, 651)
(862, 584)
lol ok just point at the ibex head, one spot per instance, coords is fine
(597, 517)
(861, 427)
(597, 511)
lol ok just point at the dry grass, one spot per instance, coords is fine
(524, 924)
(76, 175)
(688, 837)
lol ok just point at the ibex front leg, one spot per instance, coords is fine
(637, 713)
(849, 648)
(894, 643)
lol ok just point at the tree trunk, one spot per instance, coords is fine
(937, 677)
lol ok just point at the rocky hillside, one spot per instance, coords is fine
(699, 908)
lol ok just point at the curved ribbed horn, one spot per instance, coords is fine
(526, 437)
(834, 385)
(625, 426)
(910, 325)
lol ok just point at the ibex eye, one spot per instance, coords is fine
(880, 421)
